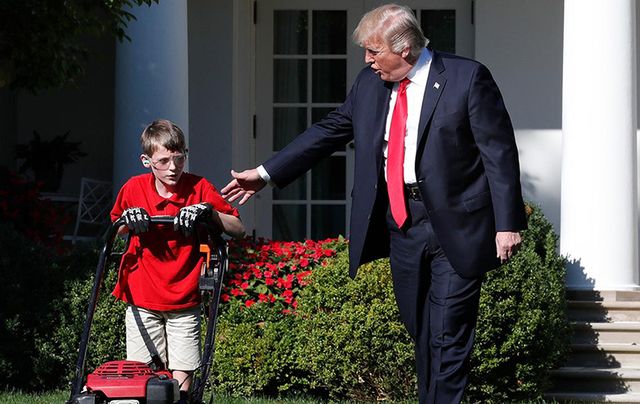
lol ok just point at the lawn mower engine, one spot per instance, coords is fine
(129, 382)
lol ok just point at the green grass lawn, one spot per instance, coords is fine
(59, 397)
(56, 397)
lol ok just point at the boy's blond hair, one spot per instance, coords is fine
(162, 132)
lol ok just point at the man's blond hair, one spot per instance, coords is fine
(396, 26)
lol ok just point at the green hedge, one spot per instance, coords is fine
(350, 339)
(44, 297)
(28, 286)
(255, 353)
(523, 330)
(107, 341)
(344, 340)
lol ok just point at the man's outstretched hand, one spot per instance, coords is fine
(244, 185)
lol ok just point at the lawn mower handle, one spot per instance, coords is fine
(78, 381)
(152, 220)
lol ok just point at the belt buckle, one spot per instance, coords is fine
(414, 192)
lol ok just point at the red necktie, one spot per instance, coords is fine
(395, 156)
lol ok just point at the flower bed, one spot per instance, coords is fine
(272, 272)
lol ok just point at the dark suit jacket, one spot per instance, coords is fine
(466, 164)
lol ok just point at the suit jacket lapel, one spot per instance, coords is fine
(380, 113)
(435, 86)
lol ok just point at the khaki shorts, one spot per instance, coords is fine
(172, 335)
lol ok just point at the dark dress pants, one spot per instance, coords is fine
(437, 306)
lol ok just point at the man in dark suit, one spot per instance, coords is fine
(437, 185)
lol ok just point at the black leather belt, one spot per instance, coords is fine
(413, 192)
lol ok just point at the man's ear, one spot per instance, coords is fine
(405, 52)
(145, 160)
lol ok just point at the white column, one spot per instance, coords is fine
(151, 80)
(599, 230)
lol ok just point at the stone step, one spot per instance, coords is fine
(603, 311)
(604, 295)
(604, 355)
(563, 397)
(622, 332)
(604, 364)
(596, 380)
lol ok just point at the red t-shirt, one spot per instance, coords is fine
(161, 267)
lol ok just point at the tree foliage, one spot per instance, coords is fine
(42, 42)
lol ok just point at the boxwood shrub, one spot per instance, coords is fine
(107, 340)
(350, 339)
(345, 340)
(29, 284)
(523, 330)
(336, 339)
(33, 292)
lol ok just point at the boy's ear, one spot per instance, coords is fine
(145, 161)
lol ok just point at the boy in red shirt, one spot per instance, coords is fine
(160, 269)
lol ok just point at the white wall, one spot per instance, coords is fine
(151, 80)
(210, 89)
(540, 160)
(521, 43)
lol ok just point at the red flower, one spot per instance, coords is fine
(301, 276)
(280, 269)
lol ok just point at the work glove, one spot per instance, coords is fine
(136, 219)
(188, 216)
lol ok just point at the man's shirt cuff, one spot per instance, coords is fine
(264, 175)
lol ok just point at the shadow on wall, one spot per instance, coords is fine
(590, 367)
(540, 164)
(528, 181)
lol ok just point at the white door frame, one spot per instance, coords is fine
(246, 149)
(264, 90)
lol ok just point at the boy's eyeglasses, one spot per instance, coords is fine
(164, 163)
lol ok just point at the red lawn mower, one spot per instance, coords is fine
(130, 382)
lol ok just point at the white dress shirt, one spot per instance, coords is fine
(415, 93)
